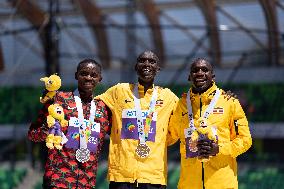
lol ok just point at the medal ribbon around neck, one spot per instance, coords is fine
(207, 112)
(83, 154)
(142, 134)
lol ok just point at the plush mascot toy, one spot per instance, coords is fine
(204, 129)
(52, 84)
(55, 120)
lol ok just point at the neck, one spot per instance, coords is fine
(146, 85)
(201, 90)
(86, 96)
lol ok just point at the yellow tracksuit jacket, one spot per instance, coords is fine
(124, 165)
(234, 138)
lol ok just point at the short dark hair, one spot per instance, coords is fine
(148, 52)
(88, 61)
(199, 59)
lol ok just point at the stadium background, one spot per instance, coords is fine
(243, 39)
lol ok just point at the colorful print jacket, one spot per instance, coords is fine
(62, 170)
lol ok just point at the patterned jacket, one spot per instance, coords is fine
(62, 170)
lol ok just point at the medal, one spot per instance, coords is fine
(142, 150)
(191, 135)
(82, 155)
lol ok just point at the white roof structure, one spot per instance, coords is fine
(243, 39)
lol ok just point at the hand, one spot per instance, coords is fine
(207, 148)
(229, 94)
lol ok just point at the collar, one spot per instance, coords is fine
(205, 96)
(76, 93)
(141, 90)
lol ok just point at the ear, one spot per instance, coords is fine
(159, 69)
(76, 75)
(188, 79)
(100, 78)
(135, 68)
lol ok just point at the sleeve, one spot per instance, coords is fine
(38, 129)
(107, 120)
(241, 139)
(105, 123)
(174, 128)
(109, 97)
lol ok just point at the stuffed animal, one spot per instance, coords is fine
(55, 120)
(52, 84)
(203, 129)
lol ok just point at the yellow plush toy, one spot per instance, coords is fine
(55, 120)
(204, 129)
(52, 84)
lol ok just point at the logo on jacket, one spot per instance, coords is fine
(159, 102)
(218, 110)
(126, 101)
(184, 113)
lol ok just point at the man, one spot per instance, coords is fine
(209, 164)
(140, 116)
(75, 165)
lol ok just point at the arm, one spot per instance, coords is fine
(240, 135)
(38, 129)
(109, 97)
(104, 120)
(174, 125)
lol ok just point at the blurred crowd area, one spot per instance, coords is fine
(261, 102)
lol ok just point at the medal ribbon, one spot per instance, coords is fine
(142, 132)
(83, 124)
(207, 112)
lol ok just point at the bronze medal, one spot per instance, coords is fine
(142, 150)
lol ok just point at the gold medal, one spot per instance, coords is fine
(142, 150)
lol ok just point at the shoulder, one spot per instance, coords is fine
(63, 97)
(100, 103)
(167, 94)
(165, 91)
(119, 87)
(64, 94)
(228, 96)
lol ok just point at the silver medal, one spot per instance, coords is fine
(82, 155)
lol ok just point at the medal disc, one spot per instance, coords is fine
(142, 150)
(82, 155)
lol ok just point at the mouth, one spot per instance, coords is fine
(58, 112)
(200, 81)
(88, 84)
(146, 70)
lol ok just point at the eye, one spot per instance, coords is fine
(150, 60)
(50, 82)
(94, 75)
(83, 73)
(194, 70)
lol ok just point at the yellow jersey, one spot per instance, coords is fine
(234, 138)
(123, 163)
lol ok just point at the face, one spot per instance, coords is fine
(201, 76)
(147, 67)
(88, 76)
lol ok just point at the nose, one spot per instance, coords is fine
(88, 77)
(199, 72)
(147, 62)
